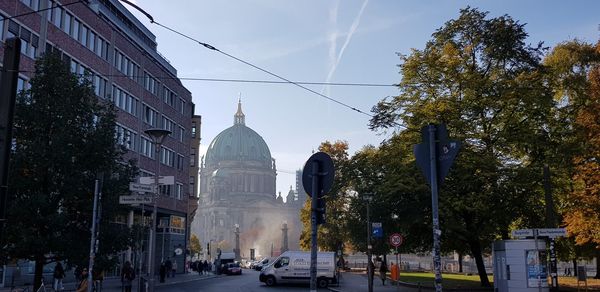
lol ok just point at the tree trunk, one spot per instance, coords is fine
(575, 267)
(460, 262)
(39, 272)
(476, 251)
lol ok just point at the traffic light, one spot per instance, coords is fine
(208, 248)
(320, 210)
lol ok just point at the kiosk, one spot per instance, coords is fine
(520, 265)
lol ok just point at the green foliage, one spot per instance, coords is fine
(479, 77)
(64, 138)
(333, 234)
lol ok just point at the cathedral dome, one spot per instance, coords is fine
(238, 143)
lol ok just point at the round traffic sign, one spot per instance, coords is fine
(325, 173)
(396, 239)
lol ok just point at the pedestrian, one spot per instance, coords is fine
(83, 283)
(162, 272)
(77, 273)
(383, 272)
(174, 268)
(127, 276)
(207, 267)
(168, 266)
(59, 275)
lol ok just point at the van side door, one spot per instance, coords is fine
(282, 268)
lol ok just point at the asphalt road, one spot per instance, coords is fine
(247, 282)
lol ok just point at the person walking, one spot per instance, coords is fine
(383, 272)
(83, 284)
(169, 267)
(174, 268)
(59, 275)
(127, 276)
(162, 272)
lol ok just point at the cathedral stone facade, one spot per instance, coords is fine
(238, 197)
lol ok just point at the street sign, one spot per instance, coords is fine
(552, 232)
(326, 172)
(522, 233)
(446, 151)
(136, 199)
(377, 231)
(396, 239)
(141, 188)
(162, 180)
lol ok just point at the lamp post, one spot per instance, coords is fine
(368, 197)
(157, 135)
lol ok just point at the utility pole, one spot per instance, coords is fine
(368, 198)
(95, 227)
(8, 94)
(550, 223)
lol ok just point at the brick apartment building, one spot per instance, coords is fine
(102, 38)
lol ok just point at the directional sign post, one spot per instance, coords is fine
(434, 157)
(317, 176)
(135, 200)
(141, 188)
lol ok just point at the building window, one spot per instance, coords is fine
(168, 125)
(181, 134)
(150, 115)
(193, 157)
(166, 190)
(125, 137)
(193, 129)
(124, 100)
(167, 156)
(179, 191)
(150, 83)
(181, 106)
(169, 97)
(180, 160)
(29, 40)
(147, 147)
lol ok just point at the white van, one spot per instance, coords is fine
(294, 267)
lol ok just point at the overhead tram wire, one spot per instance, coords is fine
(236, 80)
(210, 47)
(264, 70)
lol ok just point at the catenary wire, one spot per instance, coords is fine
(263, 70)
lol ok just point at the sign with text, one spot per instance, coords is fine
(133, 200)
(552, 232)
(162, 180)
(141, 188)
(396, 239)
(522, 233)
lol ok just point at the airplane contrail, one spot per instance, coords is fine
(333, 42)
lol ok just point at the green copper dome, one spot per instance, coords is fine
(238, 143)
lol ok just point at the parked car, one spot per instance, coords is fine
(233, 269)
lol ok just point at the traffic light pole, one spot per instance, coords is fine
(437, 261)
(313, 223)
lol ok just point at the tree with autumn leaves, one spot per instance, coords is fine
(516, 108)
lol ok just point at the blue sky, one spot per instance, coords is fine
(353, 41)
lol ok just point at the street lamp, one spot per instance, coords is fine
(368, 197)
(157, 135)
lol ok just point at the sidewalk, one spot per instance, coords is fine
(358, 282)
(114, 284)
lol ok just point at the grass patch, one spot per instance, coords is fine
(449, 280)
(570, 284)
